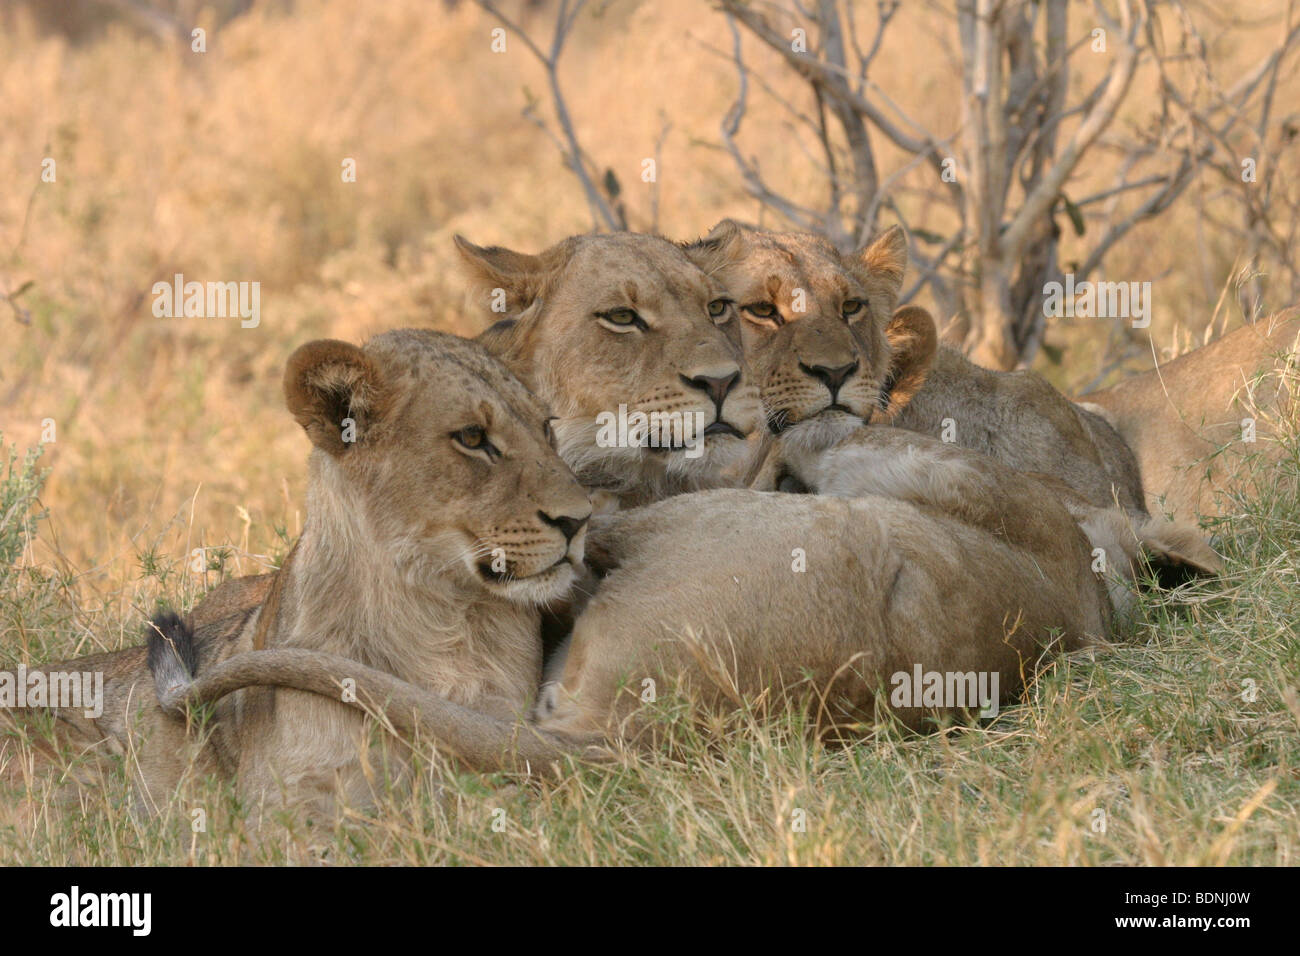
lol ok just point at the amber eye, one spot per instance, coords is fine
(548, 431)
(621, 319)
(765, 312)
(718, 309)
(474, 438)
(852, 307)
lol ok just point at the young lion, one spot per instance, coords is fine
(776, 599)
(807, 313)
(439, 521)
(608, 327)
(1195, 422)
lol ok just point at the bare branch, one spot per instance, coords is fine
(603, 212)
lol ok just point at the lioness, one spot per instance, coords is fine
(1126, 546)
(831, 603)
(439, 520)
(915, 557)
(818, 328)
(809, 312)
(1195, 422)
(605, 328)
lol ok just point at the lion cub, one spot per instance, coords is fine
(952, 563)
(439, 521)
(612, 330)
(816, 327)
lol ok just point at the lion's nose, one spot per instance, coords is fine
(715, 386)
(568, 526)
(832, 378)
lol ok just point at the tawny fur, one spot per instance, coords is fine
(1016, 417)
(954, 563)
(1184, 420)
(552, 337)
(389, 571)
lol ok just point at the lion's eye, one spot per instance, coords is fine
(474, 438)
(549, 431)
(851, 307)
(720, 311)
(765, 312)
(621, 319)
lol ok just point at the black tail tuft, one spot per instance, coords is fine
(173, 657)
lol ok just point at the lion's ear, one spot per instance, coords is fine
(913, 340)
(335, 392)
(881, 264)
(722, 247)
(503, 274)
(1177, 551)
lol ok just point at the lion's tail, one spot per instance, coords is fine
(173, 657)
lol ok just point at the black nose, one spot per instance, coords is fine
(832, 378)
(715, 388)
(568, 526)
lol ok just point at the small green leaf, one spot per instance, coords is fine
(925, 235)
(612, 188)
(1075, 214)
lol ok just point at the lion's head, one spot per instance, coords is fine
(636, 351)
(429, 453)
(819, 330)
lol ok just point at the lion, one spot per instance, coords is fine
(1127, 548)
(818, 328)
(609, 328)
(440, 520)
(715, 566)
(1197, 423)
(966, 569)
(913, 557)
(811, 319)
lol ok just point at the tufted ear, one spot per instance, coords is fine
(913, 340)
(881, 264)
(724, 246)
(335, 392)
(520, 278)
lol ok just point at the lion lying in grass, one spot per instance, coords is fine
(721, 594)
(812, 327)
(440, 520)
(1198, 422)
(734, 596)
(1006, 577)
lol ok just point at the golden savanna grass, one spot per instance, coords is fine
(171, 433)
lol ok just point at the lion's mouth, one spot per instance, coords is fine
(506, 577)
(721, 427)
(778, 422)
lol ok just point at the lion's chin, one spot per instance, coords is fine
(821, 431)
(536, 590)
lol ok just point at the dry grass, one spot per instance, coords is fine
(171, 435)
(1157, 735)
